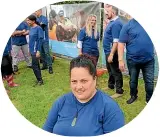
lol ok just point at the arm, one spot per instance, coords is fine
(115, 34)
(52, 118)
(79, 46)
(81, 37)
(123, 39)
(39, 42)
(18, 32)
(120, 56)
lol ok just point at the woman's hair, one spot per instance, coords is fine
(84, 61)
(33, 18)
(89, 27)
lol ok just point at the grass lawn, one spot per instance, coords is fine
(35, 102)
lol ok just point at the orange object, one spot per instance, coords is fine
(100, 72)
(52, 33)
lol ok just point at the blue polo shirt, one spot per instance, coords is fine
(111, 32)
(20, 40)
(139, 46)
(98, 116)
(8, 47)
(89, 44)
(43, 21)
(35, 39)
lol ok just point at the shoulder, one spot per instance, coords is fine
(107, 101)
(66, 97)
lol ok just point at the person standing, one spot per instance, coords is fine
(139, 56)
(110, 43)
(35, 43)
(88, 38)
(19, 42)
(6, 66)
(46, 58)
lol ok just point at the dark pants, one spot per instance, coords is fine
(115, 75)
(46, 58)
(36, 67)
(6, 66)
(148, 76)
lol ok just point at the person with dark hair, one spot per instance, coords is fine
(6, 66)
(110, 43)
(35, 43)
(85, 111)
(19, 42)
(88, 38)
(139, 56)
(45, 53)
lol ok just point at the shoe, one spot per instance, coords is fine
(116, 95)
(111, 86)
(15, 68)
(50, 70)
(38, 83)
(10, 81)
(29, 66)
(44, 67)
(131, 100)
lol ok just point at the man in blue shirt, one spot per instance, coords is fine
(19, 42)
(140, 56)
(47, 60)
(110, 43)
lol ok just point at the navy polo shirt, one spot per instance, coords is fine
(111, 32)
(89, 44)
(20, 40)
(139, 46)
(35, 39)
(98, 116)
(43, 20)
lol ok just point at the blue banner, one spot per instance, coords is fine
(64, 48)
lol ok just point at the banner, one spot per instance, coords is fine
(65, 22)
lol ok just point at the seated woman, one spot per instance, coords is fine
(85, 111)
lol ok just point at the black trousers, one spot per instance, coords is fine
(6, 66)
(36, 67)
(115, 75)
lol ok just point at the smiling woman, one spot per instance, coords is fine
(86, 111)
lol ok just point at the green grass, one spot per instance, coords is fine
(35, 102)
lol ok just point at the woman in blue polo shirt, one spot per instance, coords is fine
(88, 38)
(140, 56)
(35, 43)
(86, 111)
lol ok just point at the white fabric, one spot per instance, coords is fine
(79, 44)
(115, 40)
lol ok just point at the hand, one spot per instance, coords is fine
(38, 54)
(122, 65)
(110, 58)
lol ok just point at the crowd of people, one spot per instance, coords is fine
(86, 111)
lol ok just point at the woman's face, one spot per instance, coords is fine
(30, 22)
(83, 84)
(93, 21)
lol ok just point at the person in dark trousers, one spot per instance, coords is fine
(35, 43)
(6, 66)
(110, 43)
(139, 56)
(45, 53)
